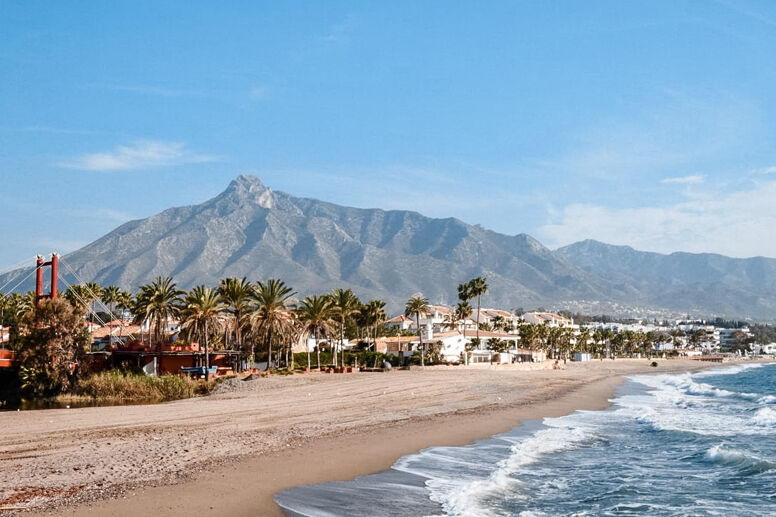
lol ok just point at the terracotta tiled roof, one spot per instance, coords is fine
(442, 335)
(398, 339)
(107, 330)
(401, 318)
(489, 334)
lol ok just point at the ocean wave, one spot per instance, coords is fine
(668, 407)
(721, 455)
(729, 370)
(683, 382)
(675, 386)
(765, 417)
(467, 498)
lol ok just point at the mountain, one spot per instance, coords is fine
(250, 230)
(703, 283)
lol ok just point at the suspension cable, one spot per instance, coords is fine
(86, 285)
(20, 282)
(15, 277)
(84, 302)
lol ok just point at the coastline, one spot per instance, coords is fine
(247, 485)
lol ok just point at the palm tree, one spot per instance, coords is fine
(598, 341)
(374, 316)
(618, 343)
(236, 294)
(553, 336)
(527, 333)
(416, 306)
(79, 297)
(157, 303)
(315, 314)
(124, 302)
(21, 304)
(477, 287)
(607, 334)
(582, 338)
(464, 292)
(5, 304)
(462, 311)
(344, 304)
(542, 337)
(203, 313)
(94, 290)
(271, 317)
(110, 296)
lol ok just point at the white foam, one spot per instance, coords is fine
(672, 402)
(737, 458)
(765, 417)
(680, 403)
(683, 382)
(465, 497)
(730, 370)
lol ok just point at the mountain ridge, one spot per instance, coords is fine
(253, 231)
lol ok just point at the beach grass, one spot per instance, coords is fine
(116, 385)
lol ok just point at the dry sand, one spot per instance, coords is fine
(229, 453)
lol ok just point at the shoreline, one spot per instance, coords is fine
(247, 485)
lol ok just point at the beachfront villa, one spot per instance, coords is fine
(119, 341)
(400, 322)
(549, 319)
(453, 346)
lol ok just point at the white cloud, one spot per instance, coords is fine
(739, 223)
(694, 179)
(143, 154)
(765, 170)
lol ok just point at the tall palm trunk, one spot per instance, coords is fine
(341, 344)
(317, 350)
(269, 350)
(237, 331)
(420, 336)
(478, 317)
(315, 333)
(207, 357)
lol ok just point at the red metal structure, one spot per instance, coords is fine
(54, 263)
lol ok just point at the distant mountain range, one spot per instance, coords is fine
(249, 230)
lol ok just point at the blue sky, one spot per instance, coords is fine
(650, 124)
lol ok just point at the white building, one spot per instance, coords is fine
(400, 322)
(549, 319)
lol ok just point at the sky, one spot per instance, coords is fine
(650, 124)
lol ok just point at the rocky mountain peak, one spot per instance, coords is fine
(246, 188)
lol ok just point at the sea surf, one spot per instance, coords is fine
(674, 444)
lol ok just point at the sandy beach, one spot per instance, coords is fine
(232, 451)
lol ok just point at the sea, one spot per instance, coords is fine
(674, 444)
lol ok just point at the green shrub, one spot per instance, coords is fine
(300, 359)
(124, 386)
